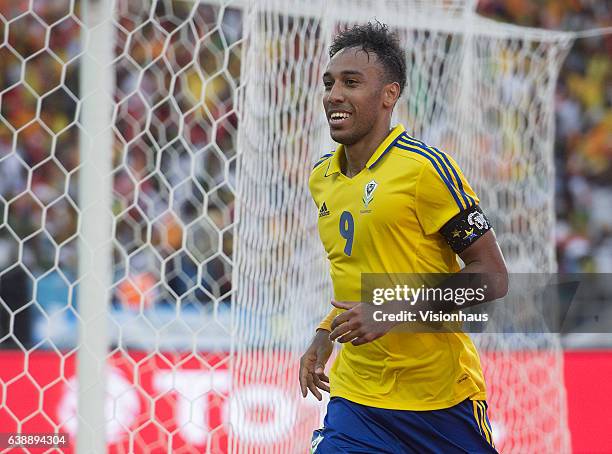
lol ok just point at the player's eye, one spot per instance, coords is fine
(351, 82)
(327, 84)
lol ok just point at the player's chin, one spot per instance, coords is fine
(343, 136)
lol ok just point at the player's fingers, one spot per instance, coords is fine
(320, 384)
(360, 340)
(344, 304)
(340, 319)
(339, 331)
(323, 386)
(348, 337)
(303, 381)
(304, 373)
(313, 389)
(320, 372)
(322, 377)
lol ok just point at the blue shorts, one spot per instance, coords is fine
(354, 428)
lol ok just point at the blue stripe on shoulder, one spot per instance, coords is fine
(445, 164)
(452, 167)
(431, 159)
(321, 159)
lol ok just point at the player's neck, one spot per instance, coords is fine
(358, 154)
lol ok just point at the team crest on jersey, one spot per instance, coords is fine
(368, 192)
(323, 211)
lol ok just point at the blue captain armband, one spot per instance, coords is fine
(465, 228)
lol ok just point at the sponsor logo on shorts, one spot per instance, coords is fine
(317, 438)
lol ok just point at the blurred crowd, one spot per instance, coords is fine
(172, 194)
(583, 142)
(173, 222)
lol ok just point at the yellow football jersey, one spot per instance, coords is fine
(386, 220)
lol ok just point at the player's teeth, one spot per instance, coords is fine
(339, 116)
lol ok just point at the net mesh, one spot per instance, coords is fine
(218, 277)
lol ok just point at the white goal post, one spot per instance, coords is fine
(170, 199)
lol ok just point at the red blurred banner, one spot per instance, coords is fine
(187, 398)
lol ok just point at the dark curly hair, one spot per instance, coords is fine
(375, 37)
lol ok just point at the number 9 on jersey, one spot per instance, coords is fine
(347, 231)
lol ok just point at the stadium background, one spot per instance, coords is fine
(583, 161)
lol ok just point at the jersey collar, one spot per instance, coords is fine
(383, 148)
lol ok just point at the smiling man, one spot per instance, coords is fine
(389, 203)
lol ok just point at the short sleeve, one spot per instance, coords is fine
(329, 318)
(314, 187)
(442, 192)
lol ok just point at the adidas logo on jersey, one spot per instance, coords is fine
(323, 211)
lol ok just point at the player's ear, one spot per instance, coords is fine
(391, 93)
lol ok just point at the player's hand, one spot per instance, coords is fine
(357, 324)
(312, 365)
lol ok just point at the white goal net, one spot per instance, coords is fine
(160, 271)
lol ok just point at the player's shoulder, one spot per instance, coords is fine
(322, 162)
(317, 183)
(429, 157)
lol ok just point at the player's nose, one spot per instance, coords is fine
(336, 94)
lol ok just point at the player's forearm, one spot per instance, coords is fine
(491, 278)
(484, 280)
(485, 275)
(485, 261)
